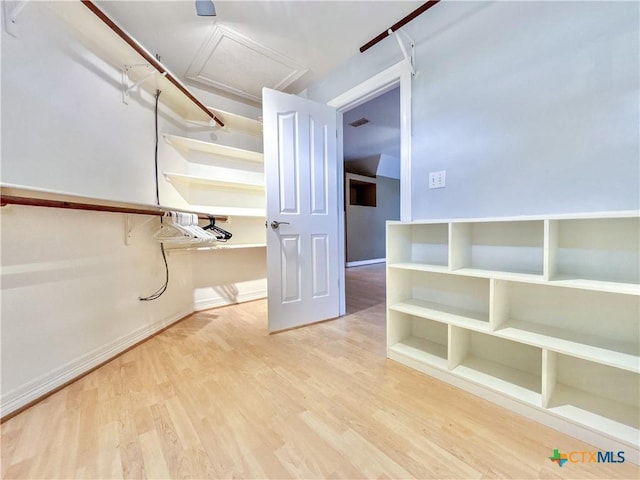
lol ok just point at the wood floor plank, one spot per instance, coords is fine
(216, 396)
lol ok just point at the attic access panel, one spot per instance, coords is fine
(229, 61)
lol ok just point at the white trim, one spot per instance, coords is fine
(398, 74)
(359, 263)
(46, 383)
(207, 52)
(208, 303)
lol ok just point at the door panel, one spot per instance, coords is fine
(302, 203)
(290, 251)
(319, 166)
(288, 162)
(320, 265)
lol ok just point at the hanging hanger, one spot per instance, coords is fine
(171, 232)
(221, 234)
(183, 228)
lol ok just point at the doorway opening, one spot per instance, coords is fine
(371, 154)
(396, 78)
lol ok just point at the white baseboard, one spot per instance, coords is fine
(44, 384)
(359, 263)
(215, 302)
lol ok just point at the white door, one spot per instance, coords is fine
(302, 210)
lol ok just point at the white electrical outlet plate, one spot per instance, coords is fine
(438, 179)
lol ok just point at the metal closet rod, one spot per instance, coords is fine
(418, 11)
(149, 58)
(137, 210)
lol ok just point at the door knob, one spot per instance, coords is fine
(275, 224)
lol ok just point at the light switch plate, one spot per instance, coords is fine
(438, 179)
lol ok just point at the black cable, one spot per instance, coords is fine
(158, 293)
(155, 152)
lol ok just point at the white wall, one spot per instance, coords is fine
(70, 285)
(70, 294)
(225, 277)
(530, 107)
(64, 125)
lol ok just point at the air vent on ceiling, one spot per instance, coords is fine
(359, 123)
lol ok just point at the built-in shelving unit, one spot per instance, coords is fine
(220, 178)
(541, 311)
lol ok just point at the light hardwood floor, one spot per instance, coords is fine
(215, 396)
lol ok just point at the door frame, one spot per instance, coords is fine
(398, 74)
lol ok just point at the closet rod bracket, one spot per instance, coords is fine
(410, 54)
(130, 225)
(128, 85)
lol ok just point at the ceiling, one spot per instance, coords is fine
(381, 135)
(285, 45)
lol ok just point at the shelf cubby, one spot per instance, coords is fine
(596, 249)
(418, 243)
(511, 368)
(599, 326)
(418, 339)
(597, 396)
(511, 246)
(462, 301)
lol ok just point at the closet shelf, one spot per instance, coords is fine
(228, 184)
(596, 285)
(420, 267)
(19, 195)
(189, 144)
(233, 211)
(238, 122)
(470, 272)
(558, 281)
(222, 246)
(422, 351)
(617, 420)
(444, 313)
(500, 275)
(116, 46)
(587, 347)
(515, 383)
